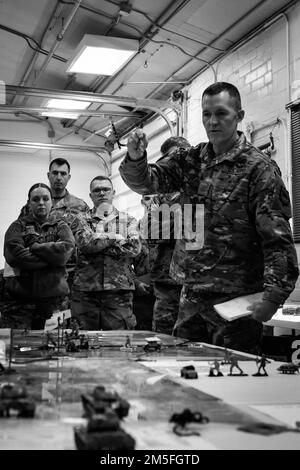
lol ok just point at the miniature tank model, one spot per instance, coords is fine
(14, 397)
(288, 368)
(153, 344)
(102, 440)
(189, 372)
(107, 421)
(100, 400)
(103, 431)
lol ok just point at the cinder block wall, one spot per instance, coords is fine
(259, 70)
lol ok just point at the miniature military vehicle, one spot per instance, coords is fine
(107, 421)
(128, 346)
(14, 397)
(181, 421)
(187, 416)
(103, 431)
(101, 400)
(75, 343)
(189, 372)
(87, 439)
(153, 344)
(290, 310)
(288, 368)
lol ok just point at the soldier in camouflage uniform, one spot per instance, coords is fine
(107, 242)
(36, 250)
(144, 299)
(246, 244)
(64, 205)
(166, 290)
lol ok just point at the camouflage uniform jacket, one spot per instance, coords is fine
(104, 263)
(160, 250)
(66, 209)
(248, 244)
(39, 252)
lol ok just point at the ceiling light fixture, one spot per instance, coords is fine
(64, 104)
(102, 55)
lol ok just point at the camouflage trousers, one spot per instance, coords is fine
(166, 307)
(199, 321)
(103, 310)
(26, 313)
(143, 311)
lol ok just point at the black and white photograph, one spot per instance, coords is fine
(150, 228)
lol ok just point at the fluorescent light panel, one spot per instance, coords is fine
(102, 55)
(64, 104)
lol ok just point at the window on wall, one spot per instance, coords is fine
(295, 128)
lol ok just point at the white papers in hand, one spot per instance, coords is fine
(237, 308)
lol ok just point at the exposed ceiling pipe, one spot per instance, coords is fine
(233, 47)
(168, 13)
(205, 67)
(162, 28)
(288, 55)
(252, 34)
(287, 124)
(64, 147)
(156, 110)
(99, 131)
(28, 121)
(108, 169)
(156, 106)
(82, 112)
(43, 146)
(51, 132)
(172, 8)
(56, 44)
(169, 83)
(56, 12)
(89, 96)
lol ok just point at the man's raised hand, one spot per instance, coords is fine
(137, 144)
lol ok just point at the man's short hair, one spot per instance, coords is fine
(179, 142)
(101, 178)
(232, 90)
(60, 162)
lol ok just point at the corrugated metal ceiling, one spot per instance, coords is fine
(177, 40)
